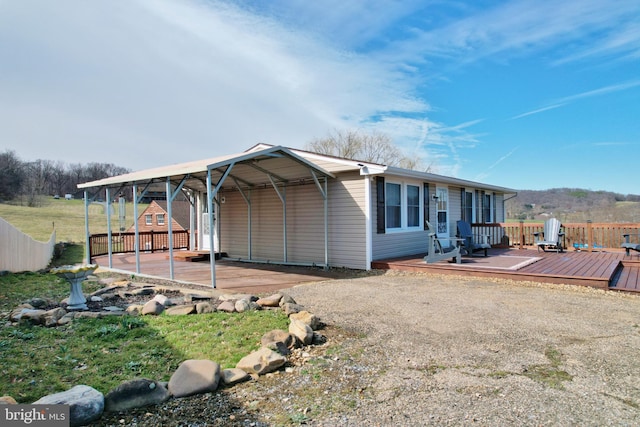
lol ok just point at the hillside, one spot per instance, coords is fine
(574, 205)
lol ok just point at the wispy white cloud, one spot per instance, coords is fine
(538, 110)
(519, 27)
(587, 94)
(210, 77)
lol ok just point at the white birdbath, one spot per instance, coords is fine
(75, 275)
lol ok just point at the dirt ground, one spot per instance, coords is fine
(407, 349)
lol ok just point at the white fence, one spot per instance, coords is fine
(19, 252)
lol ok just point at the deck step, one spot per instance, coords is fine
(627, 277)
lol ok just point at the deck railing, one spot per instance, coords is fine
(581, 235)
(149, 241)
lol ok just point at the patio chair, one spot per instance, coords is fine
(436, 252)
(628, 245)
(551, 236)
(472, 243)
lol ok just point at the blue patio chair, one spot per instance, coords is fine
(550, 236)
(472, 243)
(436, 252)
(628, 245)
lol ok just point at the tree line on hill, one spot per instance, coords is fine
(574, 205)
(27, 181)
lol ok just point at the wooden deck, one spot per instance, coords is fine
(231, 276)
(604, 270)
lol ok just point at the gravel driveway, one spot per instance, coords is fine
(415, 350)
(460, 351)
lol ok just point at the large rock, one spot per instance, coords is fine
(291, 308)
(287, 299)
(152, 307)
(270, 301)
(301, 330)
(17, 312)
(204, 308)
(35, 317)
(86, 404)
(278, 336)
(181, 309)
(234, 376)
(261, 361)
(135, 394)
(194, 377)
(8, 400)
(242, 305)
(308, 319)
(227, 306)
(53, 316)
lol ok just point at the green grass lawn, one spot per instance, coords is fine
(66, 217)
(102, 353)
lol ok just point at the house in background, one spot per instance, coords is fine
(282, 205)
(155, 217)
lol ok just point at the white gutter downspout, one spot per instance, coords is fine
(367, 220)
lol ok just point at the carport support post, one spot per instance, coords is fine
(109, 242)
(136, 229)
(87, 248)
(170, 228)
(212, 252)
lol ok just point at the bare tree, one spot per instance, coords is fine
(372, 148)
(12, 175)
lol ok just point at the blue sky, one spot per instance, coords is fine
(525, 94)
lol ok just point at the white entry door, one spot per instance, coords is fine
(442, 214)
(205, 232)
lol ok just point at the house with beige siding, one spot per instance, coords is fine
(283, 205)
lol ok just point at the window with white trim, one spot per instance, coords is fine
(486, 208)
(160, 219)
(403, 207)
(148, 219)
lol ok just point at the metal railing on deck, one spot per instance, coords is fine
(149, 241)
(581, 235)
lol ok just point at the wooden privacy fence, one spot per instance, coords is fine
(19, 252)
(149, 241)
(581, 235)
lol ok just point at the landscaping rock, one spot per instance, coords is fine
(301, 330)
(135, 394)
(234, 376)
(194, 377)
(86, 404)
(227, 306)
(271, 301)
(261, 361)
(35, 317)
(278, 336)
(67, 318)
(53, 316)
(204, 307)
(153, 308)
(38, 302)
(290, 308)
(162, 300)
(308, 319)
(286, 299)
(181, 310)
(8, 400)
(134, 309)
(242, 305)
(17, 312)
